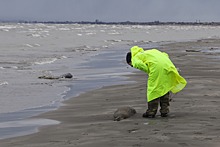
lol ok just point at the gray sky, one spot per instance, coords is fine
(110, 10)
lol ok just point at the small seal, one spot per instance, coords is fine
(123, 113)
(66, 76)
(51, 77)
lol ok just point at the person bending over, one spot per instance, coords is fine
(163, 77)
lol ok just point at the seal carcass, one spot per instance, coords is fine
(123, 113)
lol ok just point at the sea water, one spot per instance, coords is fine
(93, 54)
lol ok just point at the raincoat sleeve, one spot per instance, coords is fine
(139, 64)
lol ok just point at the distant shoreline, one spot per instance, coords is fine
(97, 22)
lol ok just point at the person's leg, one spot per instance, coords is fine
(152, 108)
(164, 104)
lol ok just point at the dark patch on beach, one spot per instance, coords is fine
(51, 77)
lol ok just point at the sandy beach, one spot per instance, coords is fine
(194, 120)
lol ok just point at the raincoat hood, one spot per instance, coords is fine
(135, 50)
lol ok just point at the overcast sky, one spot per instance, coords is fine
(110, 10)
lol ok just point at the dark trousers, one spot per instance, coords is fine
(164, 105)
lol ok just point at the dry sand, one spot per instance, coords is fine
(87, 120)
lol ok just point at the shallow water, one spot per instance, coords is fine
(94, 54)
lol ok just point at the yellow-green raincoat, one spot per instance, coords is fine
(162, 74)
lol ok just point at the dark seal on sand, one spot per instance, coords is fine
(123, 113)
(51, 77)
(67, 76)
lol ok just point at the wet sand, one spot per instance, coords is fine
(87, 120)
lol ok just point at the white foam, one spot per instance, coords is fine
(6, 30)
(28, 45)
(90, 33)
(29, 122)
(38, 45)
(35, 35)
(63, 57)
(114, 33)
(45, 61)
(8, 27)
(105, 46)
(14, 67)
(3, 83)
(64, 29)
